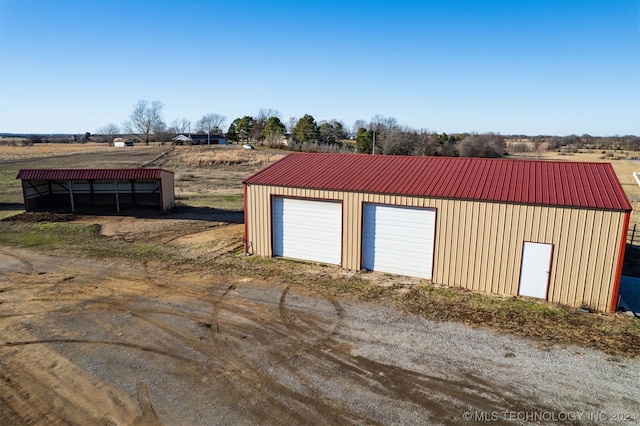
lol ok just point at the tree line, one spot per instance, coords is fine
(380, 135)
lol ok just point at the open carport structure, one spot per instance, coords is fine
(545, 229)
(114, 190)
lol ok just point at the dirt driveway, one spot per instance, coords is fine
(102, 342)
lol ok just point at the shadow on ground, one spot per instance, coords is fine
(631, 265)
(11, 206)
(180, 212)
(630, 294)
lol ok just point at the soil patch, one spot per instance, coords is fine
(35, 217)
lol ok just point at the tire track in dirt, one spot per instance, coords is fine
(437, 395)
(192, 343)
(148, 412)
(310, 322)
(238, 373)
(321, 341)
(28, 265)
(323, 347)
(8, 415)
(311, 406)
(299, 342)
(252, 384)
(400, 384)
(198, 228)
(104, 342)
(305, 336)
(126, 304)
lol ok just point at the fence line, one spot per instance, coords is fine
(633, 235)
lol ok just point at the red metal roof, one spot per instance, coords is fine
(89, 174)
(557, 183)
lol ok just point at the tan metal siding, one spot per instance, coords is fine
(581, 253)
(560, 293)
(501, 257)
(168, 191)
(478, 245)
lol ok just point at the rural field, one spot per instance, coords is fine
(161, 320)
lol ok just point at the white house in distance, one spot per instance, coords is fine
(200, 139)
(123, 142)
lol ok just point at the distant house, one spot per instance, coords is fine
(181, 139)
(287, 139)
(122, 142)
(204, 139)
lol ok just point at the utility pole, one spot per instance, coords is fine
(373, 148)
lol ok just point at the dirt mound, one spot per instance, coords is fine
(34, 217)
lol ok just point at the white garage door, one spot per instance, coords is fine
(308, 230)
(398, 240)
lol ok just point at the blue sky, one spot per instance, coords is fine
(514, 67)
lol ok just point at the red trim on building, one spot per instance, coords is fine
(90, 174)
(616, 279)
(246, 224)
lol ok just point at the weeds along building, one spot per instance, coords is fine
(545, 229)
(107, 190)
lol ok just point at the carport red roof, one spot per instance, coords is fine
(89, 174)
(554, 183)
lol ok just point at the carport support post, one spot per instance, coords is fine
(73, 208)
(133, 191)
(117, 198)
(93, 196)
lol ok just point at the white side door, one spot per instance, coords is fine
(535, 270)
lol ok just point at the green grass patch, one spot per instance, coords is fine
(632, 325)
(79, 240)
(143, 249)
(215, 201)
(258, 260)
(8, 213)
(10, 187)
(47, 235)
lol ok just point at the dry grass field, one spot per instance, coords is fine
(624, 169)
(18, 152)
(161, 319)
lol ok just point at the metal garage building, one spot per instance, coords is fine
(97, 189)
(545, 229)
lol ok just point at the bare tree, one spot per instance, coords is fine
(398, 141)
(108, 133)
(357, 125)
(423, 143)
(292, 123)
(143, 118)
(265, 113)
(180, 126)
(483, 145)
(382, 125)
(161, 132)
(211, 124)
(537, 147)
